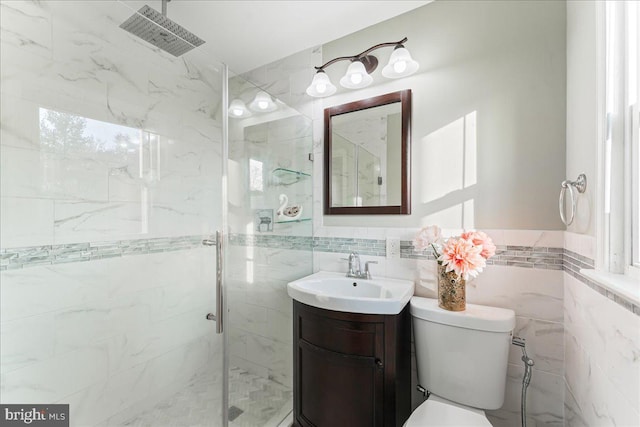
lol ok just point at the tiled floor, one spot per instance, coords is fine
(258, 401)
(264, 402)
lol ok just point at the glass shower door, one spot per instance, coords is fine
(270, 207)
(111, 178)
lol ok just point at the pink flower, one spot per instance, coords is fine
(463, 257)
(480, 238)
(431, 235)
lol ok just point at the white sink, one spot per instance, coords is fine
(335, 291)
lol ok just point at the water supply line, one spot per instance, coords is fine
(528, 365)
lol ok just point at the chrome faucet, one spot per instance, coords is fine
(355, 267)
(367, 273)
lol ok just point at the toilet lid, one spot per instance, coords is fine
(438, 412)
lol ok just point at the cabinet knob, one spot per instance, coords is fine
(379, 363)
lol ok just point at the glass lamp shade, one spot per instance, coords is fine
(400, 64)
(356, 76)
(321, 86)
(238, 110)
(262, 103)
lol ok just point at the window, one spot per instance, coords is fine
(635, 187)
(633, 94)
(621, 151)
(256, 176)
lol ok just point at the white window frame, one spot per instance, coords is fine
(633, 137)
(634, 197)
(618, 151)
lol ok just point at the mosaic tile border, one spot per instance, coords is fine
(516, 256)
(545, 258)
(369, 247)
(304, 243)
(513, 256)
(32, 256)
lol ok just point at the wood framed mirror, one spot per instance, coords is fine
(367, 156)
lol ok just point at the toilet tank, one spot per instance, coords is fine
(462, 355)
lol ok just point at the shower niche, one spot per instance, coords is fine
(285, 178)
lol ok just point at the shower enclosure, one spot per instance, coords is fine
(117, 161)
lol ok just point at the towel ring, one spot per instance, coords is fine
(579, 184)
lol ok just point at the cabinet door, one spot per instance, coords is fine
(338, 390)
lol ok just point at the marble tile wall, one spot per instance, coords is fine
(108, 334)
(109, 147)
(67, 193)
(260, 311)
(602, 350)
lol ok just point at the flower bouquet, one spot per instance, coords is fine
(459, 258)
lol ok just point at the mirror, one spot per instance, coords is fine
(367, 156)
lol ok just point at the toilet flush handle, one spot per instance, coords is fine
(425, 393)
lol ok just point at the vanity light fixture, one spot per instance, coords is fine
(262, 103)
(358, 74)
(238, 109)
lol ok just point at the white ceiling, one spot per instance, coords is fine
(246, 34)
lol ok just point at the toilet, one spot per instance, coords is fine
(461, 358)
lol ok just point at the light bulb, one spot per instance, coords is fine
(238, 109)
(356, 78)
(262, 103)
(400, 66)
(321, 85)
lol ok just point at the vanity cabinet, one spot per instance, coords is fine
(351, 369)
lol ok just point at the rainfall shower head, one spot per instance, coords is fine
(155, 28)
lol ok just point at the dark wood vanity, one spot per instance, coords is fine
(350, 369)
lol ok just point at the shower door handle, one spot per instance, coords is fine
(219, 260)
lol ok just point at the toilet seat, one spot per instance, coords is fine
(439, 412)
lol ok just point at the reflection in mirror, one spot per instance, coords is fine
(366, 156)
